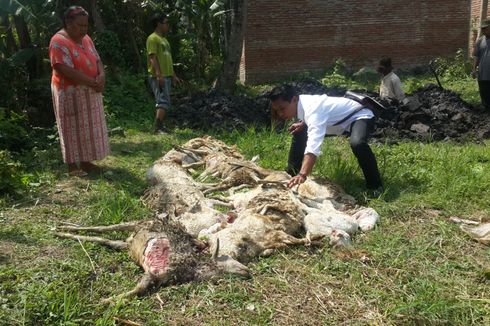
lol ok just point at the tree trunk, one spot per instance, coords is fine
(233, 52)
(98, 22)
(10, 44)
(136, 50)
(26, 43)
(22, 32)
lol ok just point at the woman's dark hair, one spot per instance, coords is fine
(157, 18)
(283, 92)
(72, 12)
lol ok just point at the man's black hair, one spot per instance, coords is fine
(157, 18)
(283, 92)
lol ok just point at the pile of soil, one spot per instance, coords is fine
(429, 113)
(432, 113)
(219, 111)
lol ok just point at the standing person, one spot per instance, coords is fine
(481, 66)
(391, 86)
(77, 83)
(160, 68)
(319, 115)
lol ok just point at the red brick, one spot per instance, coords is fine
(284, 38)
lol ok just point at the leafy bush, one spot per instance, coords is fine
(109, 48)
(13, 90)
(367, 76)
(13, 132)
(457, 67)
(127, 100)
(10, 174)
(338, 76)
(411, 84)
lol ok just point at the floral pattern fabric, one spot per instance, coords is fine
(79, 109)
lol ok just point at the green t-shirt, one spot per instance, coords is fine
(159, 46)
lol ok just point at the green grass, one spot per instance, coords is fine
(415, 268)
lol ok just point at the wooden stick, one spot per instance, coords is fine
(86, 253)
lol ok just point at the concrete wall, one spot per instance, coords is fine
(286, 37)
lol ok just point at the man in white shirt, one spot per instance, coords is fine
(320, 115)
(391, 86)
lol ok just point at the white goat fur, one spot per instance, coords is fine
(270, 215)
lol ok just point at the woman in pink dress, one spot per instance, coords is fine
(77, 83)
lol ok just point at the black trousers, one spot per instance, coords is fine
(360, 132)
(484, 87)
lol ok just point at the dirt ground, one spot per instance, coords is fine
(431, 113)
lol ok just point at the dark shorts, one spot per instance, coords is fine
(162, 95)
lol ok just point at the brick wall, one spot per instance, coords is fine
(284, 38)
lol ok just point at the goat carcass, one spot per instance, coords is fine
(166, 252)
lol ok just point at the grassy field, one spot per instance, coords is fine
(416, 267)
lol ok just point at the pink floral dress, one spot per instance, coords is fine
(79, 109)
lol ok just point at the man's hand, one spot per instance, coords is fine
(176, 80)
(296, 127)
(296, 180)
(474, 74)
(161, 82)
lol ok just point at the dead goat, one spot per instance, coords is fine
(165, 251)
(271, 220)
(175, 193)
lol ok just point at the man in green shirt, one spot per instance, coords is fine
(160, 68)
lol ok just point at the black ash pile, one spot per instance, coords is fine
(431, 113)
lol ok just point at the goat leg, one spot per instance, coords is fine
(128, 226)
(281, 239)
(146, 281)
(194, 153)
(232, 190)
(214, 201)
(114, 244)
(193, 165)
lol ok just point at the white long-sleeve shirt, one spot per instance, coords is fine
(322, 112)
(391, 87)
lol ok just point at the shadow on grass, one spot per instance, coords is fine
(394, 186)
(125, 179)
(397, 185)
(153, 149)
(16, 236)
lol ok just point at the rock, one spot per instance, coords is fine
(420, 128)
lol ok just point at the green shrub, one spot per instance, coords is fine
(127, 101)
(109, 48)
(13, 90)
(10, 175)
(411, 84)
(338, 76)
(367, 76)
(13, 132)
(457, 67)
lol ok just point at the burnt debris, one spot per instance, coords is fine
(429, 113)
